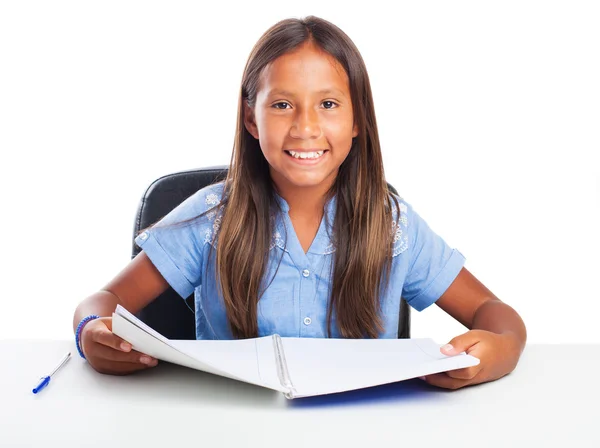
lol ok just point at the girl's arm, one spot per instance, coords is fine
(496, 336)
(472, 304)
(133, 288)
(138, 284)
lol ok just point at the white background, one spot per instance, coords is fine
(488, 114)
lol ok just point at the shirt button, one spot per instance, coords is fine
(144, 235)
(307, 321)
(306, 273)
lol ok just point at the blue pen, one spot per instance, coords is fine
(46, 379)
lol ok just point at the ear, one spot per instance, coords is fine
(250, 121)
(355, 131)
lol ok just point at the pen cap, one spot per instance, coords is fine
(43, 383)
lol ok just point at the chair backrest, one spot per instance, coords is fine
(168, 313)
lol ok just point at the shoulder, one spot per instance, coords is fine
(196, 219)
(199, 209)
(198, 203)
(206, 198)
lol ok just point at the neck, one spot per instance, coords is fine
(306, 203)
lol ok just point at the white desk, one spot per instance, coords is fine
(551, 399)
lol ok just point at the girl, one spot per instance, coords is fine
(303, 237)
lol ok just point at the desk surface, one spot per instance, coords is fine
(551, 397)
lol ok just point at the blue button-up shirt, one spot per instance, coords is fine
(295, 303)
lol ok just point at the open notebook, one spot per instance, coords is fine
(298, 367)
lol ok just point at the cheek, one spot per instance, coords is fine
(271, 142)
(339, 134)
(271, 133)
(270, 145)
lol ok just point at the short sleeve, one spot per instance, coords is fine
(433, 264)
(177, 250)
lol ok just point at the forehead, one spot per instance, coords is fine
(306, 69)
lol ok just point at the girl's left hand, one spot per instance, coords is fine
(498, 355)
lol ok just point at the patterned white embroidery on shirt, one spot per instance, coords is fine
(277, 241)
(211, 199)
(211, 234)
(208, 236)
(329, 249)
(399, 232)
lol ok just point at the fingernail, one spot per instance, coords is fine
(145, 360)
(125, 347)
(447, 348)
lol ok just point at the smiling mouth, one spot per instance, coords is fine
(297, 155)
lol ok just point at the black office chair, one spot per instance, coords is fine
(168, 313)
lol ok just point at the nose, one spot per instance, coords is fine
(306, 125)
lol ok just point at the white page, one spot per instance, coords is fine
(323, 366)
(235, 359)
(250, 360)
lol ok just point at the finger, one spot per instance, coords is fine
(109, 339)
(106, 353)
(467, 373)
(120, 368)
(465, 342)
(444, 381)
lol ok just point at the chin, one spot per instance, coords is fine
(308, 181)
(305, 181)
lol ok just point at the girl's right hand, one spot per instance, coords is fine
(108, 353)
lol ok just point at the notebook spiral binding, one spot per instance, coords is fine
(282, 369)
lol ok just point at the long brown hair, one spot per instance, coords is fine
(362, 228)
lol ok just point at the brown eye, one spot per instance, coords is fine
(280, 108)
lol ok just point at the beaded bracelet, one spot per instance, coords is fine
(84, 321)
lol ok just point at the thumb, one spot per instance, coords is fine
(460, 343)
(102, 324)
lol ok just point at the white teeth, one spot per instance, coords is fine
(306, 155)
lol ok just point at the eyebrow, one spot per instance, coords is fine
(288, 93)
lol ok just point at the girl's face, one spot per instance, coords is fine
(303, 105)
